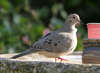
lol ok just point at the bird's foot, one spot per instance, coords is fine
(61, 59)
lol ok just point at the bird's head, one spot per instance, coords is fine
(74, 19)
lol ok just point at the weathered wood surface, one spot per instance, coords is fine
(91, 43)
(91, 53)
(76, 57)
(39, 64)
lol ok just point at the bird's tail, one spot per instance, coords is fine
(29, 51)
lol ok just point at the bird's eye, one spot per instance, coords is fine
(73, 17)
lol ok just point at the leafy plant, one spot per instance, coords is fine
(22, 22)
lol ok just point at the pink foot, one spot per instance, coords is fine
(61, 59)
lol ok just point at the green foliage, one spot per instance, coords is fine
(22, 23)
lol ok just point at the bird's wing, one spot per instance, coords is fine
(54, 42)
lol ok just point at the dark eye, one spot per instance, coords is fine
(73, 17)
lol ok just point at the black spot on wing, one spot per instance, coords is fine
(58, 41)
(48, 41)
(55, 44)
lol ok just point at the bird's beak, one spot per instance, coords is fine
(78, 23)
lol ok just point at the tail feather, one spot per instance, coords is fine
(29, 51)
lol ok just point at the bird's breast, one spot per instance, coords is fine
(74, 37)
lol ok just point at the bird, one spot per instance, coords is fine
(57, 43)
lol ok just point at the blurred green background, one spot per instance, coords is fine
(22, 22)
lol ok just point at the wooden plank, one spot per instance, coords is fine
(91, 55)
(74, 58)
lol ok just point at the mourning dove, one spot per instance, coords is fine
(58, 43)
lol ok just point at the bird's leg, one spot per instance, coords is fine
(55, 60)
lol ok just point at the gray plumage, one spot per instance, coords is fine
(55, 44)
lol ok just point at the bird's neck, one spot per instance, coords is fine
(69, 28)
(74, 29)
